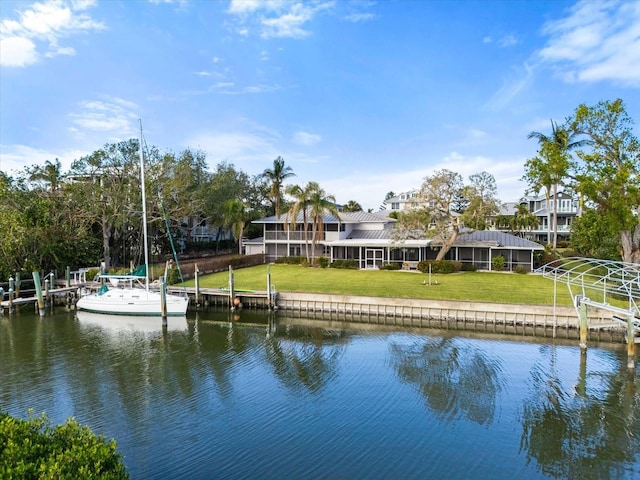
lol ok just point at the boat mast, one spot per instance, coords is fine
(144, 215)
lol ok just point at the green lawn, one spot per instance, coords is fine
(530, 289)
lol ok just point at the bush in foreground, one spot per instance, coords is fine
(439, 266)
(33, 449)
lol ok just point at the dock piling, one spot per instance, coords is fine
(163, 301)
(36, 282)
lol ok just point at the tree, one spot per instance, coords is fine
(352, 206)
(319, 203)
(32, 448)
(236, 218)
(276, 176)
(434, 217)
(609, 173)
(300, 204)
(50, 174)
(481, 198)
(552, 166)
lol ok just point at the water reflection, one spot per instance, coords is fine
(590, 430)
(456, 379)
(231, 392)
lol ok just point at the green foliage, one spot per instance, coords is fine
(33, 449)
(520, 269)
(439, 266)
(289, 260)
(323, 262)
(391, 266)
(468, 267)
(173, 276)
(497, 263)
(595, 235)
(345, 264)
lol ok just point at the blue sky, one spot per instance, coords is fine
(364, 97)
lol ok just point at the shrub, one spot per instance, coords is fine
(323, 262)
(520, 269)
(391, 266)
(173, 276)
(32, 449)
(469, 267)
(290, 260)
(439, 266)
(350, 264)
(497, 263)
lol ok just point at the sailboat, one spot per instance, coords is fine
(130, 294)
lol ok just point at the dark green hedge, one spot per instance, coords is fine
(439, 266)
(33, 449)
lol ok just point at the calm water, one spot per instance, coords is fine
(307, 399)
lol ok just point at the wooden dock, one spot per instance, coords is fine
(225, 297)
(69, 294)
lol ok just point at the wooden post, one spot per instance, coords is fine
(18, 282)
(67, 276)
(163, 301)
(197, 280)
(10, 300)
(47, 294)
(36, 282)
(631, 344)
(583, 322)
(269, 303)
(231, 290)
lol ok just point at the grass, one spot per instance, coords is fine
(530, 289)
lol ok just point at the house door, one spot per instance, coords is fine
(374, 257)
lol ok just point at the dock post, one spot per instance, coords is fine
(11, 300)
(36, 282)
(231, 291)
(197, 280)
(67, 276)
(631, 344)
(163, 301)
(583, 323)
(47, 297)
(18, 282)
(269, 305)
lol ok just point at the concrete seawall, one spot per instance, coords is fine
(536, 320)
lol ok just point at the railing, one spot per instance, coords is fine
(293, 235)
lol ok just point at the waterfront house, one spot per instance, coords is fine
(566, 206)
(368, 239)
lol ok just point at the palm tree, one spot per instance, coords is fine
(554, 166)
(50, 174)
(319, 203)
(352, 206)
(276, 176)
(300, 205)
(236, 217)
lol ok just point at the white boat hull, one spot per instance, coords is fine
(129, 324)
(132, 301)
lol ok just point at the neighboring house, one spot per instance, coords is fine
(402, 201)
(368, 239)
(567, 209)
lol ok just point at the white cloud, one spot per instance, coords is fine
(15, 157)
(305, 138)
(112, 115)
(275, 18)
(511, 87)
(359, 17)
(507, 41)
(17, 52)
(39, 30)
(597, 41)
